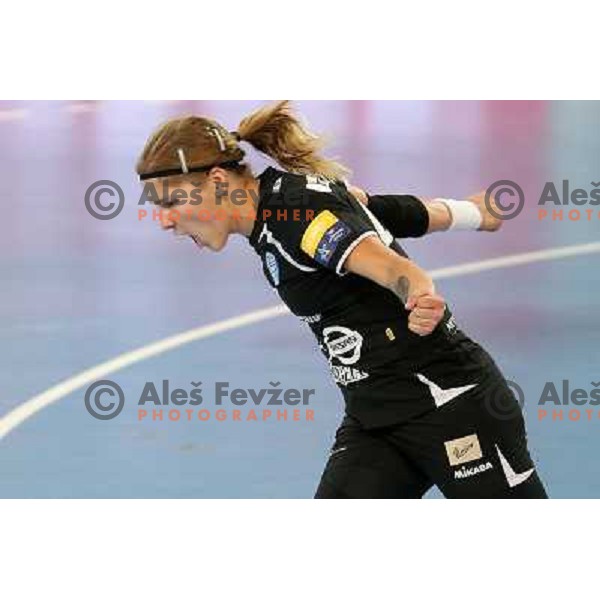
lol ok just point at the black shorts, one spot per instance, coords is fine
(468, 448)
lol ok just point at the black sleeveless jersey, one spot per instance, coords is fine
(306, 226)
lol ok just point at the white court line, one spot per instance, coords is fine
(81, 107)
(13, 114)
(32, 406)
(515, 260)
(28, 408)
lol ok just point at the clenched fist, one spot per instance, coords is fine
(488, 221)
(426, 311)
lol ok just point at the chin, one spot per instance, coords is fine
(218, 245)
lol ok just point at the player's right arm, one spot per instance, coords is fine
(341, 237)
(413, 286)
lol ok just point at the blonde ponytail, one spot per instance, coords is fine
(275, 131)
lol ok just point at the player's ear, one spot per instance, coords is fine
(218, 175)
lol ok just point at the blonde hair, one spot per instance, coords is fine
(273, 130)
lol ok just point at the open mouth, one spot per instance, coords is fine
(197, 240)
(193, 236)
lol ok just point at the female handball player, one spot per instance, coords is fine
(418, 391)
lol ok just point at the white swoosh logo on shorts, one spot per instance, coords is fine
(337, 451)
(440, 396)
(513, 478)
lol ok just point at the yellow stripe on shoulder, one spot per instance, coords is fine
(316, 230)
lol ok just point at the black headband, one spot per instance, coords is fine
(230, 164)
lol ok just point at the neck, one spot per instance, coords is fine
(245, 218)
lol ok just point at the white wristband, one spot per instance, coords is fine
(465, 215)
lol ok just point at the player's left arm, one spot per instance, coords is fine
(412, 216)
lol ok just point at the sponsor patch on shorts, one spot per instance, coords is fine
(463, 450)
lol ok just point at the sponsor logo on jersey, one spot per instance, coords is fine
(466, 472)
(463, 450)
(323, 255)
(318, 183)
(346, 375)
(334, 235)
(311, 318)
(451, 325)
(272, 267)
(343, 343)
(330, 241)
(323, 235)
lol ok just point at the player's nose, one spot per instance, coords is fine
(166, 223)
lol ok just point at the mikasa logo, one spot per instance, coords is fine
(465, 472)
